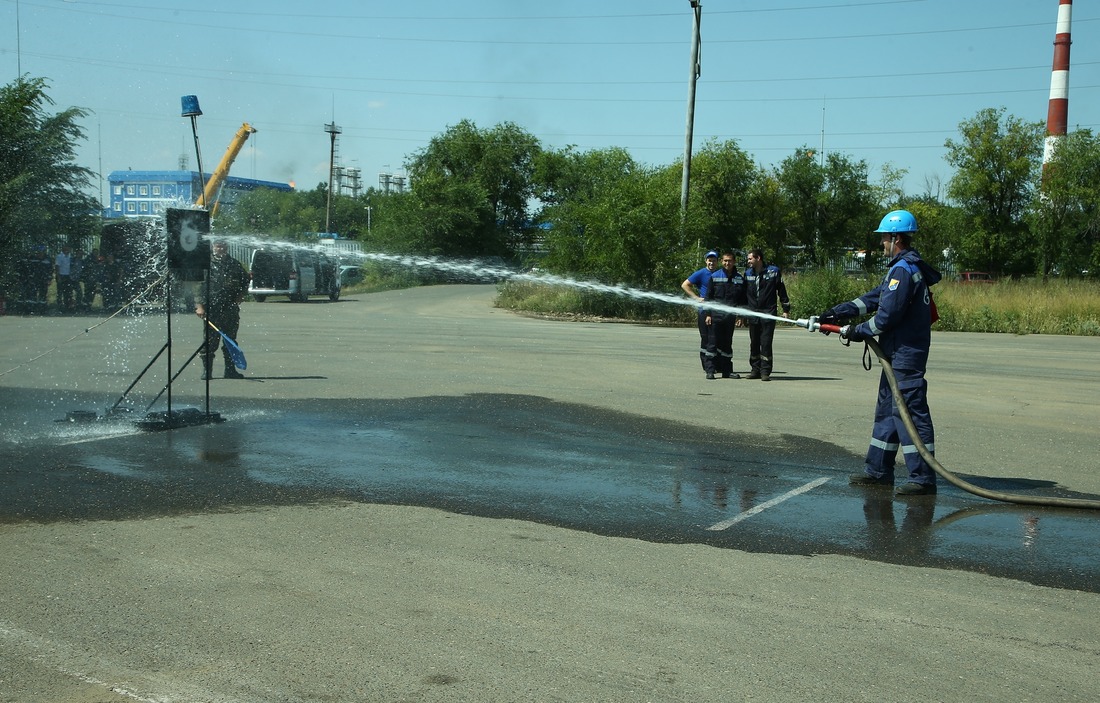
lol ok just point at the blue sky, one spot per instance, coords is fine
(883, 81)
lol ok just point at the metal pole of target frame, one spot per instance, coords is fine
(191, 109)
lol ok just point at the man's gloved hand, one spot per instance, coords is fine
(852, 333)
(829, 317)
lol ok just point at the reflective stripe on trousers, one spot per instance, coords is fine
(889, 433)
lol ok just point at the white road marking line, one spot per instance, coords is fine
(764, 506)
(62, 658)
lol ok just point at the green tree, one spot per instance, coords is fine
(831, 205)
(995, 160)
(850, 208)
(396, 224)
(567, 175)
(480, 183)
(263, 211)
(770, 220)
(802, 182)
(312, 209)
(888, 192)
(938, 225)
(722, 181)
(612, 219)
(43, 193)
(1065, 216)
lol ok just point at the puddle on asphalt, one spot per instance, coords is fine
(529, 458)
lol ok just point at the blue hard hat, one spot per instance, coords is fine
(898, 221)
(711, 255)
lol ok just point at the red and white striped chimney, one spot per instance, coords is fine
(1058, 111)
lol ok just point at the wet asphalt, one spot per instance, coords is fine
(442, 401)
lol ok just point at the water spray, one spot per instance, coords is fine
(811, 324)
(482, 271)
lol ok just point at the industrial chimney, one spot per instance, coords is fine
(1058, 111)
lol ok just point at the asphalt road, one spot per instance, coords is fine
(415, 496)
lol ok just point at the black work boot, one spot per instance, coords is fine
(916, 489)
(866, 479)
(232, 372)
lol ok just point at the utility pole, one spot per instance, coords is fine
(697, 11)
(332, 130)
(821, 152)
(18, 45)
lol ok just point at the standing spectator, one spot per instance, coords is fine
(228, 284)
(700, 281)
(63, 273)
(765, 291)
(76, 278)
(903, 317)
(43, 271)
(93, 278)
(727, 287)
(25, 270)
(112, 283)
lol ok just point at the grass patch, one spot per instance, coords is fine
(566, 302)
(1031, 306)
(378, 277)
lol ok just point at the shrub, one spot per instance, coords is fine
(813, 292)
(1012, 307)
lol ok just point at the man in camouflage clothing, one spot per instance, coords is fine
(228, 284)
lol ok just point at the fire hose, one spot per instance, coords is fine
(813, 325)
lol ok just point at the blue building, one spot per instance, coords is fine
(149, 193)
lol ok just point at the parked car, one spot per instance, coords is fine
(295, 273)
(351, 274)
(975, 277)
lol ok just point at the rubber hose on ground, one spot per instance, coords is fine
(951, 478)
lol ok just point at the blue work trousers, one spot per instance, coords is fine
(704, 335)
(719, 356)
(761, 334)
(889, 433)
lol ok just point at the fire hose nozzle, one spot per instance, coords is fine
(813, 325)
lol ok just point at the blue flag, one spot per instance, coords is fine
(235, 352)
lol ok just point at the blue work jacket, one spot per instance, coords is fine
(902, 308)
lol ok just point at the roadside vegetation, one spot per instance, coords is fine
(1028, 306)
(499, 194)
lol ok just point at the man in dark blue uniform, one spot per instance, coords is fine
(700, 281)
(903, 316)
(766, 292)
(727, 287)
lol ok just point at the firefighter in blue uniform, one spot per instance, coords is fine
(765, 292)
(727, 287)
(903, 315)
(700, 281)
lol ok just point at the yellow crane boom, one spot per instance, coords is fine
(217, 178)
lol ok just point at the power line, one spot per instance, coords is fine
(488, 18)
(145, 66)
(603, 99)
(330, 35)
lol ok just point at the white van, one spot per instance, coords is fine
(295, 273)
